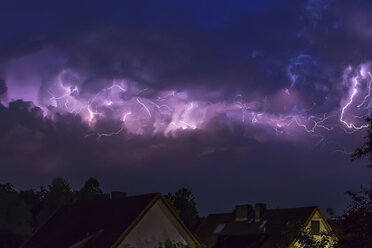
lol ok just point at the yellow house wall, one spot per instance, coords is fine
(156, 226)
(323, 226)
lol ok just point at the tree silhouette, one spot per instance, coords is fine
(3, 88)
(58, 195)
(15, 215)
(365, 150)
(90, 190)
(35, 199)
(355, 225)
(184, 202)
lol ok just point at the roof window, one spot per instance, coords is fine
(262, 225)
(219, 228)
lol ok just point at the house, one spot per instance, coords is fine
(140, 221)
(258, 227)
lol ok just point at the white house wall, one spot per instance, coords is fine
(156, 226)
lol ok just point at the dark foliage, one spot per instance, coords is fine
(184, 202)
(91, 190)
(23, 212)
(58, 195)
(354, 226)
(3, 88)
(305, 239)
(172, 244)
(15, 214)
(8, 239)
(366, 149)
(35, 199)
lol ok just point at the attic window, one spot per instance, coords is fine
(315, 226)
(219, 228)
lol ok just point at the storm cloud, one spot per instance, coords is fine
(216, 96)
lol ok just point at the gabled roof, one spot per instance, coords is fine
(248, 233)
(98, 223)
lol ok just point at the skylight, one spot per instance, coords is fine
(262, 224)
(219, 228)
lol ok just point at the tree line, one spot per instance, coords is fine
(23, 211)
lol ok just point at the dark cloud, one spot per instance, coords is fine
(168, 46)
(224, 160)
(165, 45)
(214, 50)
(3, 89)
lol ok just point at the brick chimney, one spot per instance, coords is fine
(259, 210)
(118, 195)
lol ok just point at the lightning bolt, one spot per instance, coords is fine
(242, 106)
(171, 110)
(317, 124)
(344, 152)
(91, 114)
(116, 86)
(254, 119)
(144, 106)
(160, 99)
(100, 135)
(69, 93)
(125, 116)
(159, 107)
(369, 91)
(188, 125)
(351, 125)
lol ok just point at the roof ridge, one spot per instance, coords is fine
(221, 213)
(292, 208)
(147, 194)
(134, 206)
(269, 209)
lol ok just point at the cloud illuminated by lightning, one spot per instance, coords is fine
(351, 125)
(170, 110)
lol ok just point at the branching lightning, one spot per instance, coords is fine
(351, 125)
(144, 106)
(171, 110)
(369, 91)
(125, 116)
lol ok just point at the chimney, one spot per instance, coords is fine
(118, 195)
(106, 196)
(243, 212)
(259, 210)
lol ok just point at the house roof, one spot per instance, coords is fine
(268, 232)
(98, 223)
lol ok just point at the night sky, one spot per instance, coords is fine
(239, 101)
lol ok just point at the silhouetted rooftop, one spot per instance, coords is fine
(91, 224)
(268, 232)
